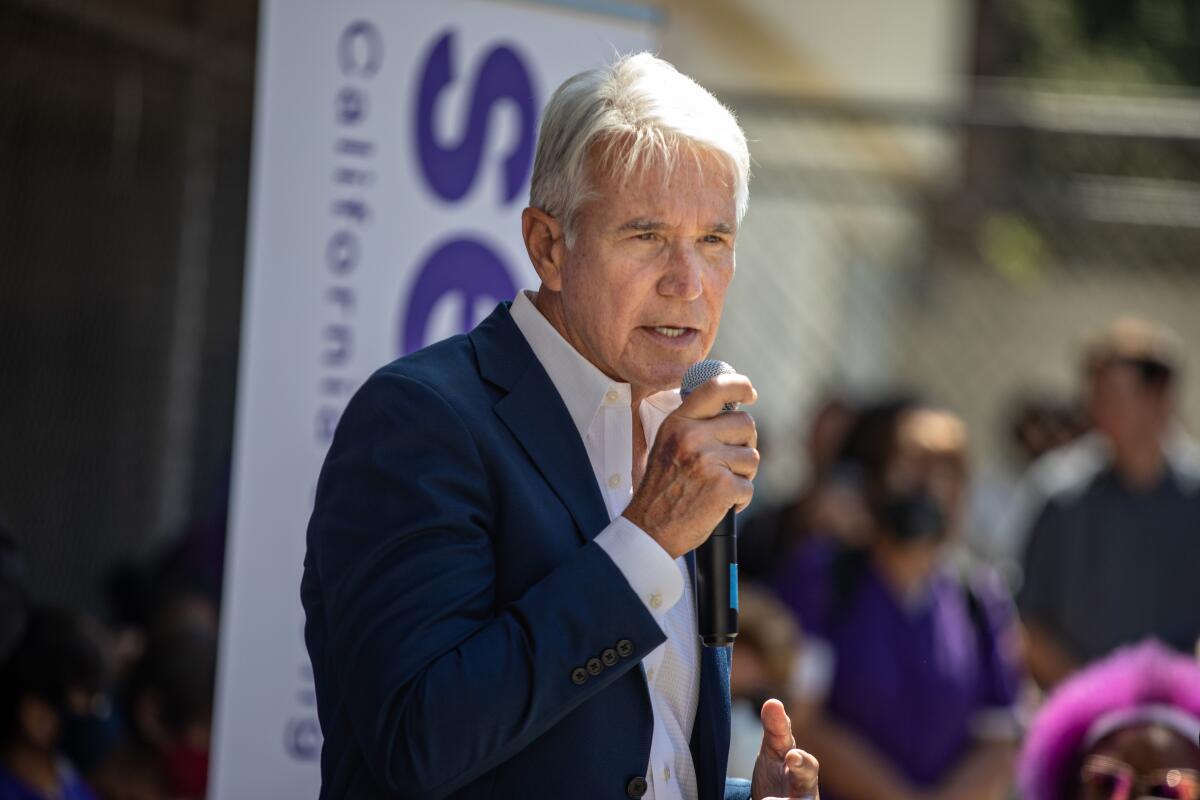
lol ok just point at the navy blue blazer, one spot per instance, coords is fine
(468, 637)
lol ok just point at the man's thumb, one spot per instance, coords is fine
(775, 719)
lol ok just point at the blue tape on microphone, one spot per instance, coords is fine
(733, 603)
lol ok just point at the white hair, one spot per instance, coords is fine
(627, 116)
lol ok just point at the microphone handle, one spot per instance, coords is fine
(716, 585)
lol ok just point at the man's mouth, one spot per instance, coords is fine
(673, 336)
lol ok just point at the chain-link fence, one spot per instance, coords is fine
(960, 252)
(964, 255)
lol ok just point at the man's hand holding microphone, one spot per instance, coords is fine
(703, 464)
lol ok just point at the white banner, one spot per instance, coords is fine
(392, 152)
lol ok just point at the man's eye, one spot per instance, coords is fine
(712, 238)
(646, 237)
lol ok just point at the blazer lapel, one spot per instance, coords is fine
(535, 413)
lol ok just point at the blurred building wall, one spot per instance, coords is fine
(915, 50)
(124, 146)
(897, 235)
(813, 306)
(915, 226)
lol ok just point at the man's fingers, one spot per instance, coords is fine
(775, 719)
(734, 427)
(743, 492)
(710, 397)
(777, 729)
(802, 772)
(795, 771)
(801, 762)
(742, 461)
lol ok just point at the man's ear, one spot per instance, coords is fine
(546, 246)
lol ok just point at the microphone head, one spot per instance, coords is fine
(700, 373)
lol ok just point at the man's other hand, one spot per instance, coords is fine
(782, 772)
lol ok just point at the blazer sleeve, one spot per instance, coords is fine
(439, 685)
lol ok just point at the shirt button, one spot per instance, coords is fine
(655, 600)
(610, 396)
(614, 481)
(666, 773)
(650, 675)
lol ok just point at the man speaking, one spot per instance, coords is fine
(497, 582)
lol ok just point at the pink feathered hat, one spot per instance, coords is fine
(1143, 675)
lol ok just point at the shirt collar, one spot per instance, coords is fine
(583, 387)
(1093, 459)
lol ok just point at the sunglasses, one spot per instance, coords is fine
(1105, 778)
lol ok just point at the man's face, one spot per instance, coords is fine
(644, 282)
(1125, 410)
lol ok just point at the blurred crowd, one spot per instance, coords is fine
(1030, 638)
(115, 704)
(931, 635)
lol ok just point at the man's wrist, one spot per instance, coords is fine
(639, 521)
(650, 570)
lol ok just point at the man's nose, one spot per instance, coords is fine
(683, 277)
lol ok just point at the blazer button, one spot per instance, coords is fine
(579, 676)
(594, 667)
(609, 657)
(636, 787)
(624, 648)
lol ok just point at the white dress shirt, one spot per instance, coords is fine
(601, 410)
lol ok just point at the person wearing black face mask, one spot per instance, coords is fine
(55, 717)
(923, 659)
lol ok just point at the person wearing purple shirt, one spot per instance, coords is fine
(924, 675)
(70, 786)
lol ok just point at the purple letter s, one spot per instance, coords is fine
(450, 171)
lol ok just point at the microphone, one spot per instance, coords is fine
(716, 560)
